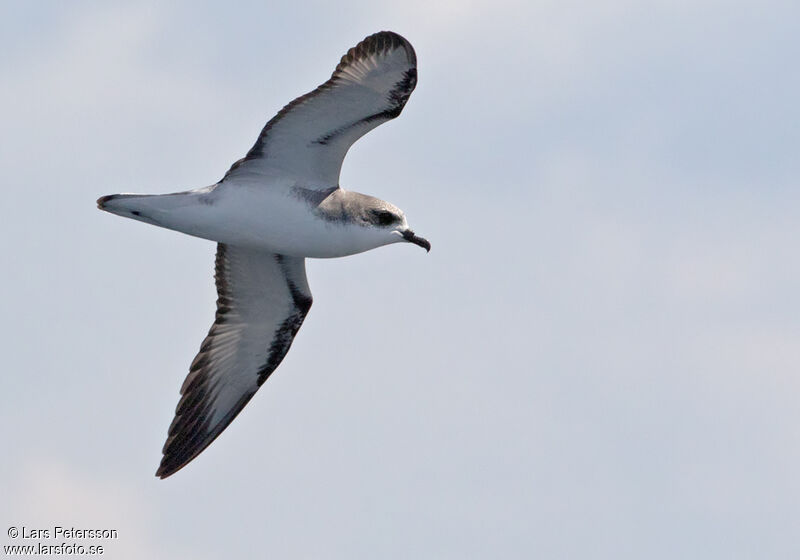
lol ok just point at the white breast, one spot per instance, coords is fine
(260, 216)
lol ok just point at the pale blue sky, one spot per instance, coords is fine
(600, 357)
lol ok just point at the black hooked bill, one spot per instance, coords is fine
(409, 236)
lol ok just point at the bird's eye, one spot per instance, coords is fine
(386, 218)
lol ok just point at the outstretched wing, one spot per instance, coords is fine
(308, 139)
(263, 299)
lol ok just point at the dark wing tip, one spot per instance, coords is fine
(191, 430)
(378, 42)
(191, 433)
(165, 470)
(381, 42)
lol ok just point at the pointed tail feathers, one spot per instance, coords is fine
(127, 205)
(156, 209)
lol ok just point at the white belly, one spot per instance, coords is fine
(255, 216)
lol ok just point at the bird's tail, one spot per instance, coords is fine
(126, 205)
(156, 209)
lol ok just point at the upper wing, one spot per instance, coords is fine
(263, 299)
(309, 138)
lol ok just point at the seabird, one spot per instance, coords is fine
(275, 207)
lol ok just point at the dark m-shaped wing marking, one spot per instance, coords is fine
(262, 301)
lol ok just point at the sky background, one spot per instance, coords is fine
(599, 358)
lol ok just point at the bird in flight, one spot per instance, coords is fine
(275, 207)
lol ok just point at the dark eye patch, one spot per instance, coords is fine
(385, 218)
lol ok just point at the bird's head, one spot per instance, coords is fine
(372, 222)
(388, 221)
